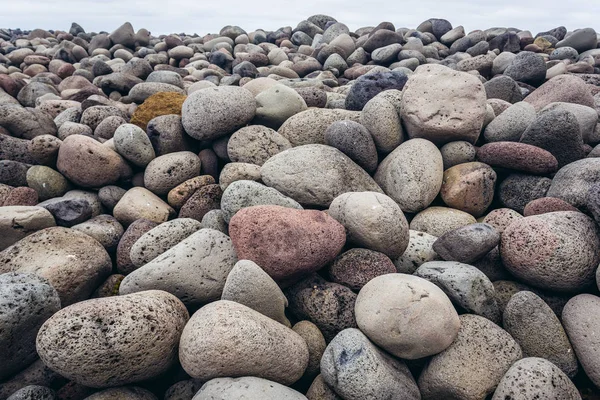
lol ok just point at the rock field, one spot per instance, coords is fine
(307, 213)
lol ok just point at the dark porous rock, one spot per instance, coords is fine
(528, 68)
(368, 86)
(356, 267)
(556, 131)
(503, 87)
(330, 306)
(313, 97)
(13, 173)
(517, 190)
(33, 392)
(203, 200)
(68, 211)
(26, 301)
(468, 243)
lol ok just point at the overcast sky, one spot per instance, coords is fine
(204, 16)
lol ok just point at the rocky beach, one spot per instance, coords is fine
(309, 213)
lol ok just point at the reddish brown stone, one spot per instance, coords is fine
(209, 163)
(21, 196)
(285, 242)
(131, 235)
(356, 267)
(547, 205)
(518, 156)
(202, 201)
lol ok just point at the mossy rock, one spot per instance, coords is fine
(163, 103)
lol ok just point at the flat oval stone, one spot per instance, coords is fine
(535, 377)
(286, 242)
(16, 222)
(33, 392)
(139, 202)
(104, 342)
(546, 205)
(357, 369)
(308, 127)
(315, 174)
(557, 251)
(573, 182)
(161, 238)
(438, 220)
(467, 286)
(584, 331)
(355, 141)
(245, 193)
(468, 243)
(473, 365)
(194, 270)
(84, 263)
(425, 322)
(247, 386)
(373, 221)
(412, 174)
(538, 331)
(518, 156)
(131, 235)
(228, 339)
(26, 301)
(104, 228)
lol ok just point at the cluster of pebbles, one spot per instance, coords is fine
(308, 213)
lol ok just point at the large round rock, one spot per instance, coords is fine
(556, 251)
(474, 363)
(26, 301)
(443, 105)
(583, 327)
(372, 220)
(74, 263)
(412, 174)
(407, 316)
(114, 341)
(285, 242)
(213, 112)
(315, 174)
(228, 339)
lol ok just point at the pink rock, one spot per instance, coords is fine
(518, 156)
(285, 242)
(546, 205)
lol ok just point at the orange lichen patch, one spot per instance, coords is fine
(158, 104)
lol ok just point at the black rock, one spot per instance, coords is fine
(508, 41)
(559, 33)
(68, 211)
(528, 68)
(503, 87)
(519, 189)
(368, 86)
(556, 131)
(76, 29)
